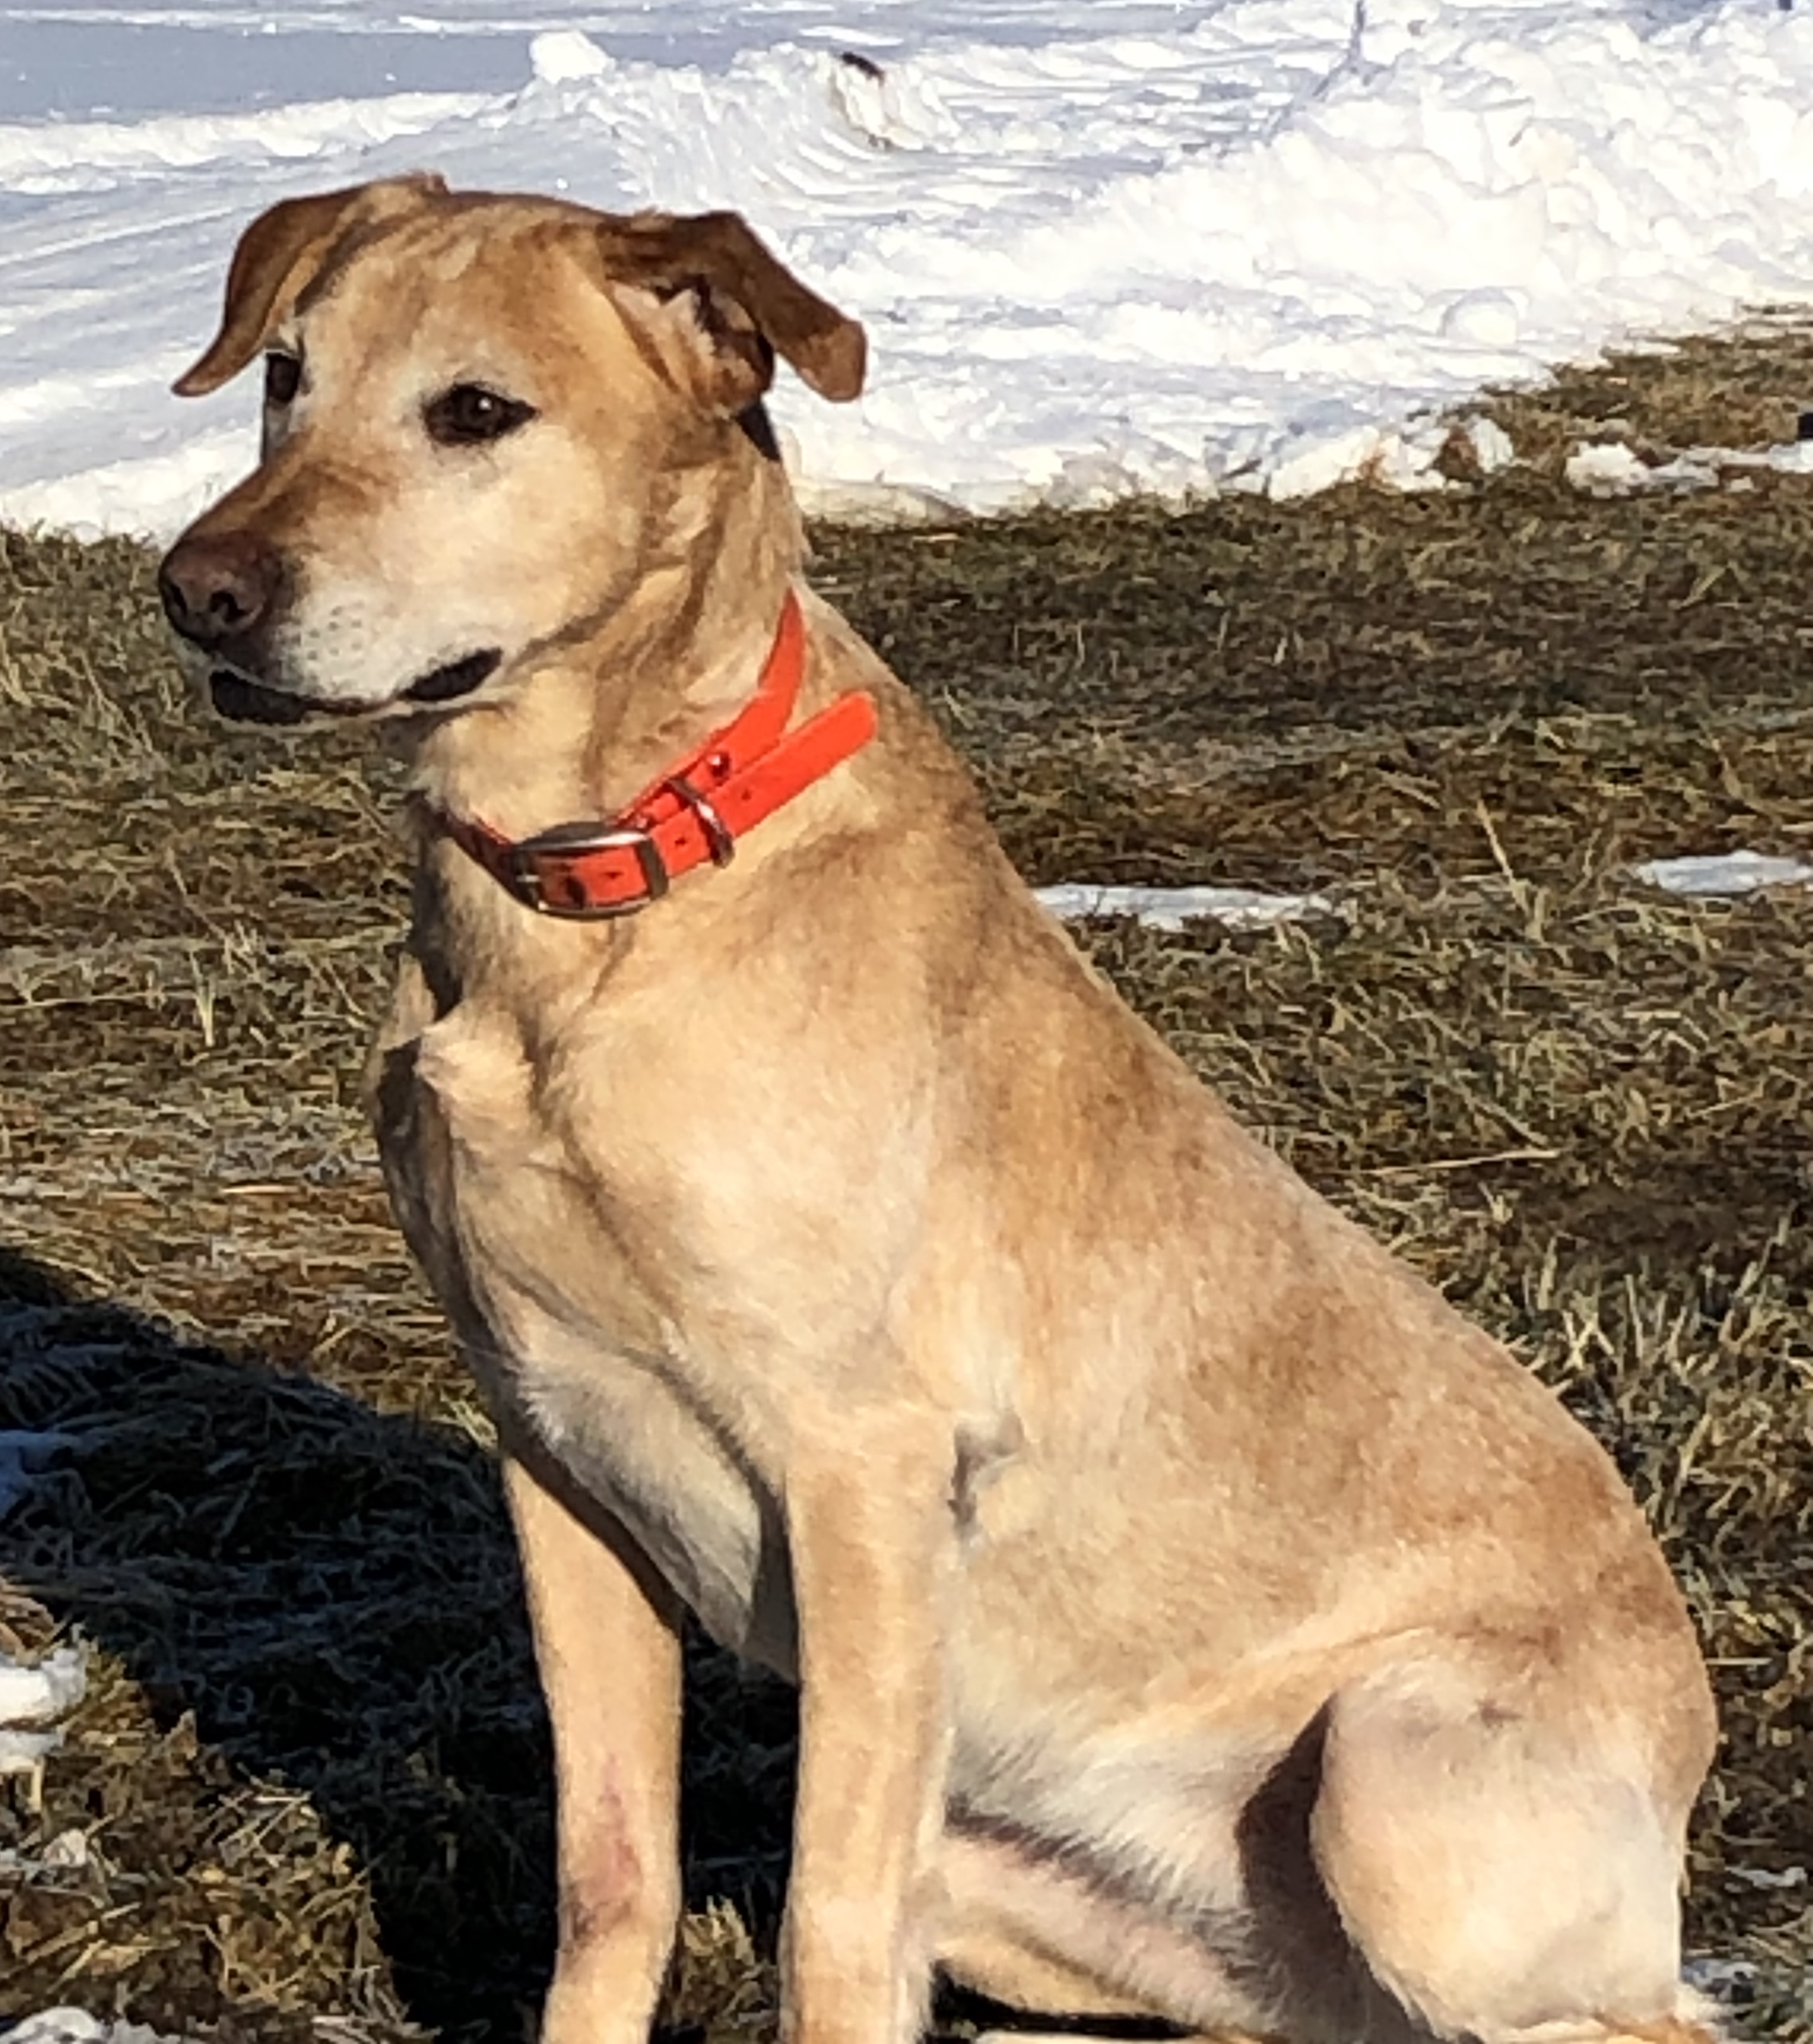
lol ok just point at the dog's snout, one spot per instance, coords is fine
(216, 588)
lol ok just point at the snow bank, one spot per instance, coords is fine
(1100, 245)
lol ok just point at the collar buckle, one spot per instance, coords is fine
(527, 871)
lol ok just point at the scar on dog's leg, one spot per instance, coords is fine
(607, 1643)
(1506, 1863)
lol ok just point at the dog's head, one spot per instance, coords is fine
(479, 414)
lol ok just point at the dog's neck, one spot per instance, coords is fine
(594, 719)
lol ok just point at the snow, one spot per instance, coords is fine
(1605, 468)
(75, 2025)
(1724, 874)
(1609, 468)
(1701, 876)
(30, 1696)
(1100, 245)
(1171, 908)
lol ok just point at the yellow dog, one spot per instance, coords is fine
(1193, 1614)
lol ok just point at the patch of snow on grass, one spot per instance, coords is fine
(1609, 468)
(31, 1697)
(1724, 874)
(1171, 908)
(76, 2026)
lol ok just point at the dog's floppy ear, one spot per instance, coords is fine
(293, 236)
(744, 307)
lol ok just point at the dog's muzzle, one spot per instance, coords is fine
(219, 591)
(220, 594)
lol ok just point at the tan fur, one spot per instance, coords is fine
(1193, 1614)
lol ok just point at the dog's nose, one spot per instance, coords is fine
(216, 588)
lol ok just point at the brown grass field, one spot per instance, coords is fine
(310, 1774)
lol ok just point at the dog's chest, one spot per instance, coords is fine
(565, 1342)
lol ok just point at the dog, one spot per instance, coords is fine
(1195, 1617)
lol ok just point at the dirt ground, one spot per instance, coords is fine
(308, 1786)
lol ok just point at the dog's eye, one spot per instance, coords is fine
(282, 378)
(469, 414)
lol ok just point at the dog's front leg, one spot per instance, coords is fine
(872, 1547)
(607, 1642)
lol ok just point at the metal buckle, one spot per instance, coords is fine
(525, 881)
(719, 840)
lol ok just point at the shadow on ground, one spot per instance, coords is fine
(314, 1730)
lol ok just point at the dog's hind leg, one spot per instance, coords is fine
(1018, 1927)
(1500, 1830)
(988, 1960)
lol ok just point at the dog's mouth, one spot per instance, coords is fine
(243, 701)
(458, 677)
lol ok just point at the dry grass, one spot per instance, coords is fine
(311, 1771)
(1744, 387)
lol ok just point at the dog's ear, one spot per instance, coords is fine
(276, 256)
(741, 306)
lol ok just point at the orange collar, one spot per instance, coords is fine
(694, 812)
